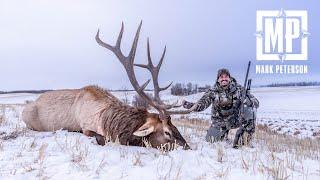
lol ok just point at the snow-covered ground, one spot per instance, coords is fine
(26, 154)
(294, 110)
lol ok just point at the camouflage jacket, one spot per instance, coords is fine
(225, 102)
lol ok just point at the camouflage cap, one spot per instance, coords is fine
(223, 71)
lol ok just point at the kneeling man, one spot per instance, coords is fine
(225, 99)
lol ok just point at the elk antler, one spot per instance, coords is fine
(128, 63)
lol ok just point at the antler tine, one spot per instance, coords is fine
(148, 66)
(144, 85)
(116, 49)
(118, 44)
(165, 88)
(183, 111)
(174, 105)
(162, 57)
(134, 45)
(158, 69)
(101, 43)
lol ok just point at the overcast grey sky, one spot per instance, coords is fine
(50, 44)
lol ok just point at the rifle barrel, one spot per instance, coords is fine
(247, 74)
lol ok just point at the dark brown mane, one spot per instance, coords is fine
(125, 119)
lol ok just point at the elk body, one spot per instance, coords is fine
(96, 112)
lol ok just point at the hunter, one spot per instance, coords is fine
(225, 99)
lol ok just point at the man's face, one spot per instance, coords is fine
(224, 80)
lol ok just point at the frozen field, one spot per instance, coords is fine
(294, 110)
(26, 154)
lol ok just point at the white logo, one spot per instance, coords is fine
(282, 35)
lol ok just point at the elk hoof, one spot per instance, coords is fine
(100, 139)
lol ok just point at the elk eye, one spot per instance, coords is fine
(167, 133)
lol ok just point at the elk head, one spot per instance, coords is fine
(157, 127)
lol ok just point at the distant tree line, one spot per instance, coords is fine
(25, 91)
(293, 84)
(181, 89)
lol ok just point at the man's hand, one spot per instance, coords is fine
(186, 104)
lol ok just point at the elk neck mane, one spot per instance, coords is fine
(117, 115)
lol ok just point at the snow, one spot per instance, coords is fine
(27, 154)
(290, 110)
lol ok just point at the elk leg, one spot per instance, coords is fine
(100, 139)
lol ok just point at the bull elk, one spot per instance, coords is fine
(96, 112)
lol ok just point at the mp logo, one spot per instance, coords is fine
(282, 35)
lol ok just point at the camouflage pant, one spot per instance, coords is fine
(248, 125)
(215, 133)
(220, 127)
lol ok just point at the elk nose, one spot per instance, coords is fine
(186, 147)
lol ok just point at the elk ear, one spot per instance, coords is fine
(146, 129)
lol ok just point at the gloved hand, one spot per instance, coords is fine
(186, 104)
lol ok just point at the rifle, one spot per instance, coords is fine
(246, 88)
